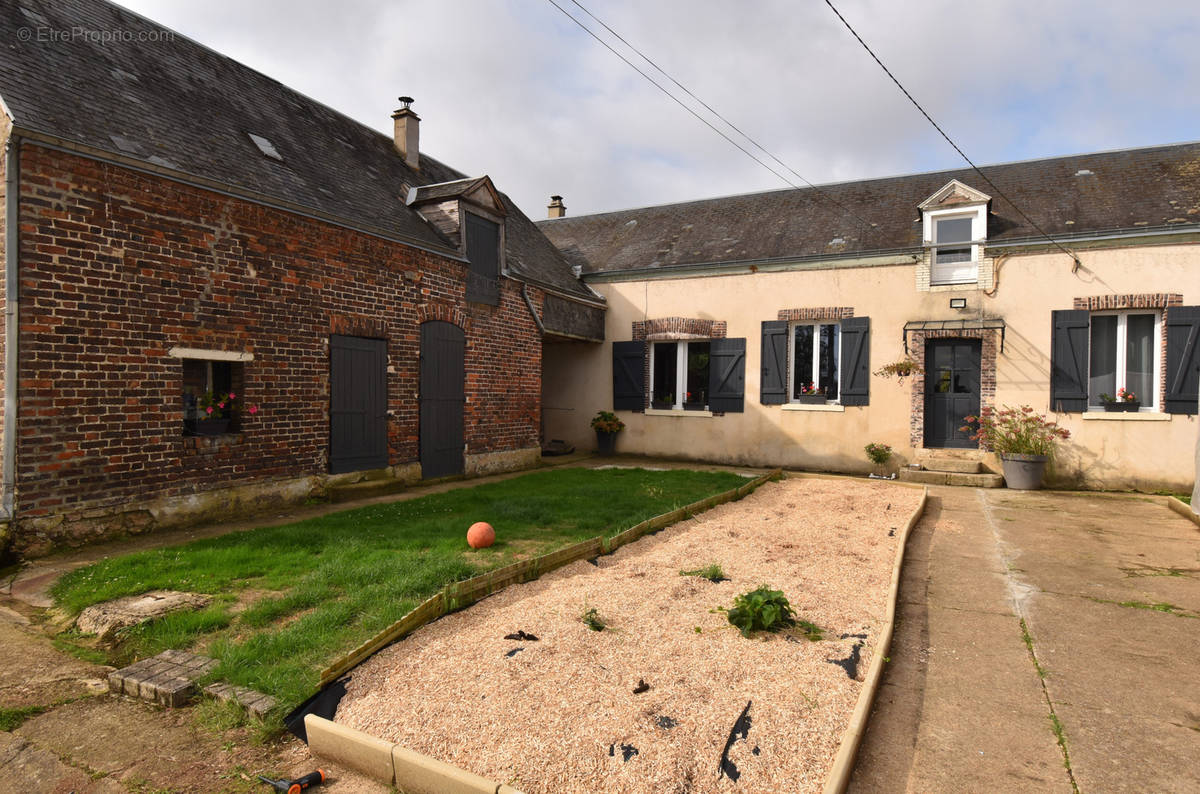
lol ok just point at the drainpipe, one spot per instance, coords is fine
(537, 320)
(12, 166)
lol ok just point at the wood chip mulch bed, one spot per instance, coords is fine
(657, 702)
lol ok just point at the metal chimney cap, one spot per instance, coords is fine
(406, 101)
(556, 198)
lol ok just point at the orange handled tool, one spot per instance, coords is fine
(297, 785)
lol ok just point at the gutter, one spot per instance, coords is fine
(12, 181)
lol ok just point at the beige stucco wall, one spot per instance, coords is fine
(1108, 452)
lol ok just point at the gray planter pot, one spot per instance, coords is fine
(1023, 472)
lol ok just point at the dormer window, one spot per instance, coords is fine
(954, 225)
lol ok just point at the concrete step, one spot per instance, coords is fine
(952, 478)
(365, 490)
(952, 465)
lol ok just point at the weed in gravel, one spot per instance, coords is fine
(591, 618)
(713, 573)
(11, 719)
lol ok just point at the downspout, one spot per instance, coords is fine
(537, 320)
(12, 182)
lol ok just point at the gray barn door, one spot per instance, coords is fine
(443, 349)
(357, 404)
(952, 387)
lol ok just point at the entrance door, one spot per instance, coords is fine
(951, 391)
(357, 404)
(443, 348)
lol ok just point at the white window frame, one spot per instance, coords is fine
(814, 372)
(955, 272)
(1122, 347)
(681, 359)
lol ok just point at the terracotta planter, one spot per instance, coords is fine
(1023, 472)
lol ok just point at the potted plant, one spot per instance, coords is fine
(214, 413)
(1125, 401)
(899, 370)
(663, 401)
(1024, 440)
(607, 425)
(810, 394)
(879, 454)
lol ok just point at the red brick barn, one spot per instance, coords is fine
(182, 233)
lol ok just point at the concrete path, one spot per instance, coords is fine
(1046, 642)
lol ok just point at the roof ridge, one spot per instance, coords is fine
(867, 180)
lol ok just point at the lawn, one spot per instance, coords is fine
(290, 599)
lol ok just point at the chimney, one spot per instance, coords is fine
(557, 208)
(408, 133)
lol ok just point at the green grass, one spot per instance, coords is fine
(11, 719)
(713, 572)
(335, 581)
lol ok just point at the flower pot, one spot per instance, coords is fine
(1131, 406)
(606, 443)
(1114, 407)
(811, 399)
(211, 427)
(1023, 472)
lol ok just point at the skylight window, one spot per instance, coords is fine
(266, 147)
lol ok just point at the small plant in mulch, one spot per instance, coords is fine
(713, 573)
(591, 618)
(762, 609)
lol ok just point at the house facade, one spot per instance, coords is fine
(1050, 284)
(219, 315)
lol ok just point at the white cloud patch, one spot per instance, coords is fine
(513, 89)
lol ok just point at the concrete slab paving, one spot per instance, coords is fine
(963, 707)
(32, 770)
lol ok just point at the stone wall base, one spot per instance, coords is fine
(502, 461)
(82, 525)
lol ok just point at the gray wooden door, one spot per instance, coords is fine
(443, 350)
(952, 381)
(357, 404)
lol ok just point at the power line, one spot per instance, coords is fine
(703, 120)
(726, 121)
(963, 154)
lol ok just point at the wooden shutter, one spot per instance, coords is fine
(483, 253)
(629, 377)
(773, 386)
(1183, 360)
(856, 360)
(727, 375)
(1069, 360)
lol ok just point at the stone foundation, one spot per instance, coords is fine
(497, 462)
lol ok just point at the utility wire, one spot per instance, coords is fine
(726, 121)
(928, 118)
(683, 105)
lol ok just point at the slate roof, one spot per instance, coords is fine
(1068, 197)
(179, 105)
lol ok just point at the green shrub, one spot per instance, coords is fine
(762, 609)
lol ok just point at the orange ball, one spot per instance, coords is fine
(481, 535)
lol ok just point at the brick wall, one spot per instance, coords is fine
(117, 267)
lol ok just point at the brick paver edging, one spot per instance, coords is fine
(843, 762)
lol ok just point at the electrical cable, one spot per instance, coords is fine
(974, 167)
(703, 120)
(724, 120)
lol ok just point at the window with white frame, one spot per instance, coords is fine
(815, 350)
(679, 375)
(954, 257)
(1125, 354)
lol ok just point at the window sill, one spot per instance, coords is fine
(674, 412)
(947, 286)
(1101, 415)
(827, 407)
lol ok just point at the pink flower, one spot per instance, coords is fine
(220, 405)
(253, 409)
(208, 409)
(232, 395)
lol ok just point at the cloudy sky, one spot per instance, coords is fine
(515, 89)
